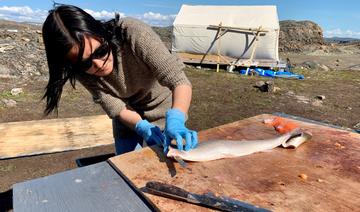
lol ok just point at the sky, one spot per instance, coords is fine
(336, 18)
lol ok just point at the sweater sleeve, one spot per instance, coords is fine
(147, 45)
(111, 105)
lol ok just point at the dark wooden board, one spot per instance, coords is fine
(92, 188)
(331, 162)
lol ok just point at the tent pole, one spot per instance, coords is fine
(254, 49)
(218, 47)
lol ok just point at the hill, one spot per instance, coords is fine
(341, 40)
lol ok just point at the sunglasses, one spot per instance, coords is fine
(100, 52)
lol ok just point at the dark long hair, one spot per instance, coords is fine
(64, 28)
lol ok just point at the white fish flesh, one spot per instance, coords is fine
(217, 149)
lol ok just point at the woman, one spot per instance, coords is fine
(128, 71)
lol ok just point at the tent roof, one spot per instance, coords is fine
(234, 16)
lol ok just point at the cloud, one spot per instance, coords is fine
(157, 19)
(341, 33)
(103, 15)
(23, 13)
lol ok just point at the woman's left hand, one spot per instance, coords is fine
(175, 129)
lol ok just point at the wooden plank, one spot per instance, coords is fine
(237, 28)
(268, 179)
(53, 135)
(208, 59)
(224, 60)
(92, 188)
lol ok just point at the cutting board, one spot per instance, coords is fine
(322, 174)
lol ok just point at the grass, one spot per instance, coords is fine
(8, 95)
(223, 97)
(220, 98)
(7, 168)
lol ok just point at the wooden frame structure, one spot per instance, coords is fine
(221, 30)
(219, 59)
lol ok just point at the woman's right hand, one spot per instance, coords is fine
(175, 130)
(150, 133)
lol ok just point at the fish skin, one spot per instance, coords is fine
(217, 149)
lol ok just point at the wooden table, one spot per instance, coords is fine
(330, 162)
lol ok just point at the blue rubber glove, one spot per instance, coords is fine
(150, 133)
(175, 129)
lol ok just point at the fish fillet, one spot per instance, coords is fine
(217, 149)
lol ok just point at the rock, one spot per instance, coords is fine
(290, 93)
(267, 86)
(312, 65)
(5, 47)
(357, 126)
(16, 91)
(12, 30)
(260, 83)
(9, 102)
(21, 51)
(323, 67)
(270, 86)
(309, 65)
(4, 71)
(276, 89)
(317, 103)
(297, 36)
(354, 67)
(25, 39)
(269, 82)
(302, 99)
(321, 97)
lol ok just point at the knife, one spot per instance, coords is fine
(181, 162)
(207, 200)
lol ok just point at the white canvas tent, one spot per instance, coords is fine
(196, 28)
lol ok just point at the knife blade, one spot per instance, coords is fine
(207, 200)
(181, 162)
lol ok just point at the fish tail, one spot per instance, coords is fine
(296, 137)
(286, 137)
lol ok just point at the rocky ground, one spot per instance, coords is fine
(328, 93)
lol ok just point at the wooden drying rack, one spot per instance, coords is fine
(221, 30)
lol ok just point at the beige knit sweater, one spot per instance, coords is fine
(144, 77)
